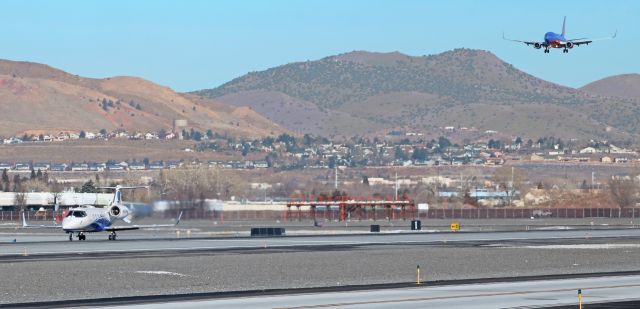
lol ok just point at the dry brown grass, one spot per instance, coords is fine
(100, 150)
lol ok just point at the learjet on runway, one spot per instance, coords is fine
(88, 219)
(554, 40)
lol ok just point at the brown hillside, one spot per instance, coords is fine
(297, 114)
(463, 87)
(625, 86)
(36, 97)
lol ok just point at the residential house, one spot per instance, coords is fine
(156, 165)
(6, 166)
(79, 167)
(621, 160)
(137, 166)
(260, 164)
(58, 167)
(588, 150)
(22, 166)
(42, 166)
(98, 167)
(115, 167)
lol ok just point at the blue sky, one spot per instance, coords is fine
(190, 45)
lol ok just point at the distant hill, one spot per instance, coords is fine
(624, 86)
(37, 98)
(363, 92)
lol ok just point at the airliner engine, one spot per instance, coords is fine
(118, 212)
(537, 45)
(569, 44)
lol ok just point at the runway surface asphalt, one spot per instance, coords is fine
(36, 267)
(539, 293)
(34, 245)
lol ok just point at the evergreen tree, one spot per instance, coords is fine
(196, 135)
(307, 139)
(399, 154)
(5, 180)
(39, 175)
(17, 183)
(105, 105)
(529, 143)
(33, 174)
(419, 154)
(443, 143)
(88, 187)
(584, 185)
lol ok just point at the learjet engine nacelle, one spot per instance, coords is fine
(118, 212)
(569, 44)
(537, 45)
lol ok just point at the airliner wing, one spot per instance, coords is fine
(587, 41)
(578, 42)
(543, 44)
(137, 227)
(122, 228)
(41, 226)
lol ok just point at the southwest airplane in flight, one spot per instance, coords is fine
(87, 218)
(554, 40)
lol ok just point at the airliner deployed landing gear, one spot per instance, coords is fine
(112, 235)
(546, 51)
(565, 51)
(82, 236)
(70, 236)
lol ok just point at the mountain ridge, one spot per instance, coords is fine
(464, 87)
(74, 103)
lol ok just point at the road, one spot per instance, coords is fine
(538, 293)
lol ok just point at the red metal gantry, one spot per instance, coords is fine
(353, 208)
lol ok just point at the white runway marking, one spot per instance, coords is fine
(160, 272)
(581, 246)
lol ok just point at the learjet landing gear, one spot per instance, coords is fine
(112, 235)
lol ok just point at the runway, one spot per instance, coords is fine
(318, 262)
(154, 263)
(534, 293)
(478, 296)
(35, 245)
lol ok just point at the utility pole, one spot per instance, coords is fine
(437, 185)
(335, 182)
(511, 189)
(396, 186)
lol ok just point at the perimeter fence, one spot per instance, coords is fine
(363, 214)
